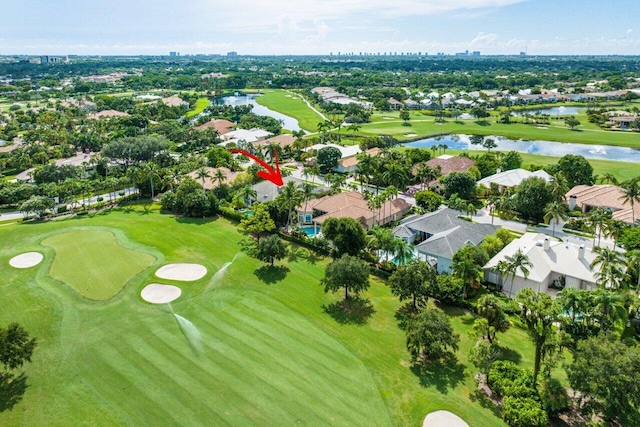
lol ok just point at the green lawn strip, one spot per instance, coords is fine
(292, 105)
(93, 263)
(271, 352)
(201, 104)
(424, 126)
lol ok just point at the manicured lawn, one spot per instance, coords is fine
(293, 105)
(422, 125)
(269, 351)
(93, 263)
(201, 104)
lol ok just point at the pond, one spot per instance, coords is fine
(545, 148)
(242, 99)
(553, 111)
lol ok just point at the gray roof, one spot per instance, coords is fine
(442, 220)
(448, 242)
(402, 231)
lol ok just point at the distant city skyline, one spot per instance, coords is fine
(279, 27)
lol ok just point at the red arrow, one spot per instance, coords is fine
(270, 174)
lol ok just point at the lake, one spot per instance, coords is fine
(242, 99)
(545, 148)
(553, 111)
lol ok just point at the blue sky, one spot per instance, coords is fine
(279, 27)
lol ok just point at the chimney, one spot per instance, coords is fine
(581, 252)
(547, 243)
(572, 202)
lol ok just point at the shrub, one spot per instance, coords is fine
(506, 375)
(523, 412)
(553, 396)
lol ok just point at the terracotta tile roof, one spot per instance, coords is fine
(221, 125)
(451, 164)
(604, 197)
(174, 101)
(211, 181)
(108, 113)
(283, 140)
(352, 205)
(353, 161)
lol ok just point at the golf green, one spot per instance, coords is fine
(93, 263)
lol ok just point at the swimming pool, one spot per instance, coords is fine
(310, 230)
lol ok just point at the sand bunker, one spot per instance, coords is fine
(410, 134)
(443, 418)
(182, 272)
(160, 294)
(26, 260)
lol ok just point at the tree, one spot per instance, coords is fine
(405, 116)
(346, 272)
(428, 200)
(609, 308)
(611, 270)
(16, 346)
(290, 196)
(523, 412)
(576, 169)
(467, 264)
(480, 113)
(631, 195)
(413, 281)
(260, 222)
(605, 371)
(269, 249)
(430, 336)
(38, 205)
(511, 160)
(203, 174)
(489, 144)
(538, 312)
(514, 262)
(571, 122)
(346, 234)
(461, 183)
(328, 159)
(490, 309)
(483, 354)
(555, 212)
(531, 197)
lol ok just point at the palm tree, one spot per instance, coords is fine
(288, 199)
(631, 194)
(633, 263)
(247, 193)
(609, 305)
(611, 268)
(559, 186)
(570, 300)
(381, 239)
(599, 218)
(466, 268)
(402, 251)
(202, 174)
(150, 171)
(608, 178)
(614, 229)
(514, 262)
(555, 212)
(219, 176)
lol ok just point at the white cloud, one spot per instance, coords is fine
(629, 31)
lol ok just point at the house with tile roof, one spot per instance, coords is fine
(107, 114)
(211, 182)
(608, 197)
(350, 205)
(512, 178)
(555, 265)
(221, 125)
(440, 235)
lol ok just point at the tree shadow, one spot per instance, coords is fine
(442, 375)
(404, 315)
(271, 273)
(309, 256)
(483, 123)
(479, 397)
(11, 390)
(510, 354)
(354, 310)
(195, 221)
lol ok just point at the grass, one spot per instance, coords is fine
(93, 263)
(201, 104)
(586, 133)
(275, 348)
(292, 105)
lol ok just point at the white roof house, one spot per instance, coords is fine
(248, 135)
(512, 178)
(555, 264)
(348, 151)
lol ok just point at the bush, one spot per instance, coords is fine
(505, 376)
(553, 396)
(523, 412)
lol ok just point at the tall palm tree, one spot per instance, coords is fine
(559, 187)
(514, 262)
(631, 195)
(633, 264)
(609, 305)
(150, 171)
(381, 239)
(247, 193)
(288, 199)
(608, 178)
(555, 211)
(466, 268)
(402, 251)
(202, 174)
(611, 265)
(219, 176)
(570, 300)
(598, 218)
